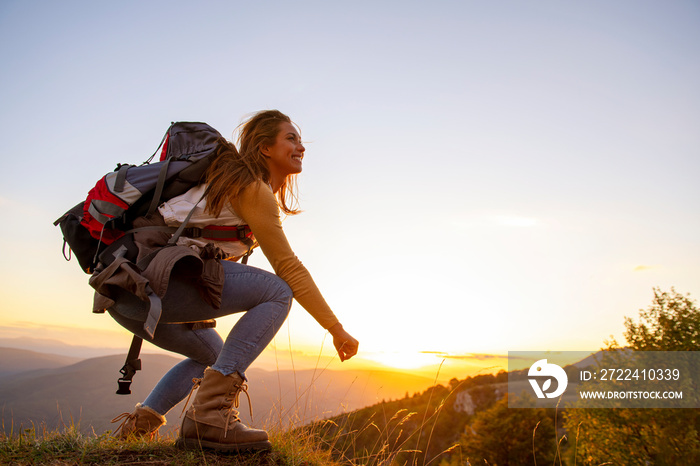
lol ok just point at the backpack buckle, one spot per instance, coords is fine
(130, 367)
(124, 387)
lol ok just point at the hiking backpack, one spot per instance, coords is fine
(99, 229)
(131, 191)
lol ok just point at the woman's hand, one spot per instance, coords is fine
(344, 343)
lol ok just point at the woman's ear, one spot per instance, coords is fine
(265, 150)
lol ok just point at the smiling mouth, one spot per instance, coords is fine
(297, 157)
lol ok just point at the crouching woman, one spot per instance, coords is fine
(246, 186)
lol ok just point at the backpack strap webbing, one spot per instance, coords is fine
(131, 365)
(120, 182)
(210, 232)
(159, 187)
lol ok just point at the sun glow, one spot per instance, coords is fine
(404, 360)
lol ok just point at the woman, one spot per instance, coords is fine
(246, 187)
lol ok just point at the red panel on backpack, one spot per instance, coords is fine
(94, 226)
(164, 152)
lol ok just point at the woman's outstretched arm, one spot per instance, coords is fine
(257, 206)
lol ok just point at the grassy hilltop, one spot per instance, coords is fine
(438, 426)
(71, 447)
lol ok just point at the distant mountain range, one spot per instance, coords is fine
(47, 389)
(58, 348)
(14, 361)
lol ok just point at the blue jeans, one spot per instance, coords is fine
(264, 297)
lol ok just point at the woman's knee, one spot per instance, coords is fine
(285, 293)
(283, 299)
(209, 350)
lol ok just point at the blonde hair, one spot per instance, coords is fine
(233, 170)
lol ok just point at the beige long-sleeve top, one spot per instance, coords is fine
(258, 207)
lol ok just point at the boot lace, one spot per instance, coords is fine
(238, 389)
(195, 385)
(124, 417)
(232, 416)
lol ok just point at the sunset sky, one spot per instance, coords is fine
(480, 177)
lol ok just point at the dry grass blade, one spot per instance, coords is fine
(447, 450)
(534, 431)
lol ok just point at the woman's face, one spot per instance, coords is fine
(285, 155)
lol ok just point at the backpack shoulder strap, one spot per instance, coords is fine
(159, 187)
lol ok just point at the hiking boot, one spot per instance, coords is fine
(212, 421)
(143, 422)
